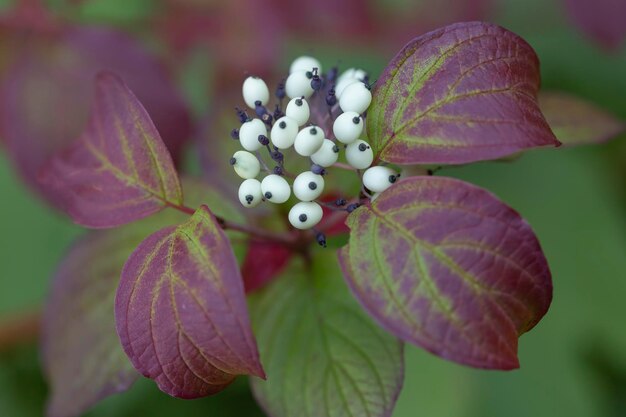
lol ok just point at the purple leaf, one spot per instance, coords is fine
(447, 266)
(602, 20)
(463, 93)
(47, 91)
(119, 170)
(83, 358)
(181, 311)
(576, 121)
(325, 357)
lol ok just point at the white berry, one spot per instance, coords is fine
(308, 186)
(309, 140)
(254, 89)
(305, 215)
(305, 63)
(249, 134)
(246, 165)
(356, 97)
(378, 179)
(298, 84)
(348, 77)
(298, 110)
(284, 132)
(327, 154)
(359, 154)
(250, 193)
(275, 189)
(348, 127)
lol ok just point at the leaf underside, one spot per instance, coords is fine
(446, 266)
(463, 93)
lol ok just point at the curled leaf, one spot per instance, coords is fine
(576, 121)
(119, 170)
(181, 312)
(463, 93)
(325, 357)
(446, 266)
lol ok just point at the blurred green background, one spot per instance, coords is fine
(572, 364)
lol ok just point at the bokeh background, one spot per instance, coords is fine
(572, 364)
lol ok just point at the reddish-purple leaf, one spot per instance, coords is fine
(463, 93)
(46, 93)
(602, 20)
(181, 311)
(83, 358)
(576, 121)
(119, 170)
(447, 266)
(263, 262)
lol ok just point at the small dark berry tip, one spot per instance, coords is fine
(233, 161)
(303, 217)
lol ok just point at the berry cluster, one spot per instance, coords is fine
(318, 101)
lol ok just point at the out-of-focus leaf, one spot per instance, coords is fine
(576, 121)
(181, 312)
(463, 93)
(119, 170)
(47, 91)
(604, 21)
(324, 356)
(263, 262)
(447, 266)
(83, 358)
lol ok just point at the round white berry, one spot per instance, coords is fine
(327, 154)
(249, 134)
(305, 63)
(309, 140)
(348, 127)
(355, 97)
(254, 89)
(298, 110)
(348, 77)
(359, 154)
(354, 73)
(246, 165)
(250, 193)
(379, 178)
(298, 84)
(284, 132)
(305, 215)
(275, 189)
(308, 186)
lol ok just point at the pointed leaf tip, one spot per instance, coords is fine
(463, 93)
(119, 170)
(181, 312)
(447, 266)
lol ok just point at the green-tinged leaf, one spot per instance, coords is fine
(447, 266)
(324, 357)
(180, 310)
(119, 170)
(83, 358)
(463, 93)
(576, 121)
